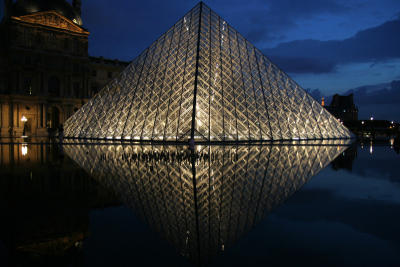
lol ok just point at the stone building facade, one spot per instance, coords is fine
(343, 108)
(46, 73)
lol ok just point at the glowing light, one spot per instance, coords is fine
(24, 119)
(24, 149)
(232, 98)
(372, 118)
(362, 122)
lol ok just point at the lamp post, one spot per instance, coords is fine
(24, 120)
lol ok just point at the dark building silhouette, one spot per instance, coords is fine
(346, 159)
(374, 129)
(45, 201)
(46, 73)
(343, 108)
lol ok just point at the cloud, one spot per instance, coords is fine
(374, 44)
(386, 95)
(380, 100)
(270, 18)
(303, 64)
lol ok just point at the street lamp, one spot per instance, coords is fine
(24, 149)
(24, 120)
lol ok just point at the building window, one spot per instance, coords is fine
(54, 86)
(28, 60)
(28, 86)
(38, 60)
(75, 68)
(28, 37)
(52, 40)
(66, 44)
(76, 46)
(95, 89)
(94, 73)
(39, 39)
(76, 88)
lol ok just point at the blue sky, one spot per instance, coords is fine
(287, 31)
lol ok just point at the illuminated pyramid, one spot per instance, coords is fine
(202, 80)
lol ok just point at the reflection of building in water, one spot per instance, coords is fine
(45, 201)
(202, 201)
(346, 159)
(46, 73)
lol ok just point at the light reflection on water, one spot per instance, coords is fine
(203, 203)
(203, 200)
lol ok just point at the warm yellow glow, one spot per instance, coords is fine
(24, 149)
(24, 119)
(230, 102)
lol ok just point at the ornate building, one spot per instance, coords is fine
(46, 73)
(343, 108)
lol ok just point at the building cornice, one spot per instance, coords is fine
(53, 20)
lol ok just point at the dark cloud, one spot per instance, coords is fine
(270, 18)
(380, 100)
(387, 95)
(374, 44)
(123, 30)
(315, 93)
(381, 103)
(303, 64)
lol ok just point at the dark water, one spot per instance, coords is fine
(114, 205)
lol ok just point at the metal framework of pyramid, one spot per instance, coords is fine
(203, 81)
(204, 202)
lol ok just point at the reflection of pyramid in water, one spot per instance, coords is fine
(203, 202)
(203, 80)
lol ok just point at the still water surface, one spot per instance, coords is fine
(114, 205)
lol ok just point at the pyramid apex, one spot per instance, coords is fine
(203, 81)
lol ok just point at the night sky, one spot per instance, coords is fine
(329, 45)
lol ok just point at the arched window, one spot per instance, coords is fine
(53, 117)
(54, 86)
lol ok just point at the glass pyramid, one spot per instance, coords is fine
(203, 201)
(204, 81)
